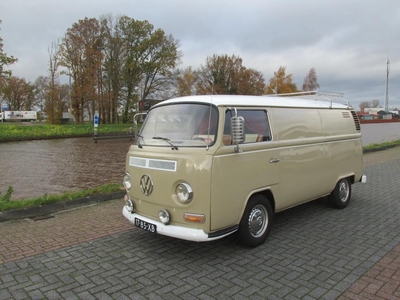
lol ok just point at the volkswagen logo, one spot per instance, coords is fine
(146, 184)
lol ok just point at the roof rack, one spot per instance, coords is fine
(318, 96)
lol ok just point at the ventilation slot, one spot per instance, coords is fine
(346, 114)
(156, 164)
(356, 120)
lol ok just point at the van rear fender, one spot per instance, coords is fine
(350, 177)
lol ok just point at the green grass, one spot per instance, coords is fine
(382, 146)
(7, 204)
(19, 131)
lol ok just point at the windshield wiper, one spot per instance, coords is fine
(139, 144)
(167, 140)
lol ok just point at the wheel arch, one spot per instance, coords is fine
(350, 177)
(267, 193)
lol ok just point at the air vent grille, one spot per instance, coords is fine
(356, 120)
(155, 164)
(346, 114)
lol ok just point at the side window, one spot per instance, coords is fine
(256, 126)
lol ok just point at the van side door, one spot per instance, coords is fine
(236, 176)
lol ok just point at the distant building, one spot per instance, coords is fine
(388, 115)
(377, 113)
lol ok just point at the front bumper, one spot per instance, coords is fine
(179, 232)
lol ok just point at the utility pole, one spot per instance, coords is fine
(387, 85)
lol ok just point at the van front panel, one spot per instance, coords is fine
(191, 168)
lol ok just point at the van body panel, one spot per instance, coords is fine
(344, 159)
(297, 149)
(301, 167)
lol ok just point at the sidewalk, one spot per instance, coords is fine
(382, 281)
(26, 237)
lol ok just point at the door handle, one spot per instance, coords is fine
(274, 160)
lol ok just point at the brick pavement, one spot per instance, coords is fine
(382, 281)
(313, 253)
(24, 238)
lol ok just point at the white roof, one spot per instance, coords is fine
(267, 101)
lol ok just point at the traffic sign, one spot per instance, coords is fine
(4, 106)
(96, 120)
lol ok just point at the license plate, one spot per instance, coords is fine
(145, 225)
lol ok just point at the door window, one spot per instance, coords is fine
(257, 128)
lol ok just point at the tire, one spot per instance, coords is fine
(256, 222)
(340, 196)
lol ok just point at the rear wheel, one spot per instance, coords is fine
(256, 221)
(340, 196)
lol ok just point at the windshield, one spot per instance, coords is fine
(180, 125)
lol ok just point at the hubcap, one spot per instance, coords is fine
(343, 191)
(258, 221)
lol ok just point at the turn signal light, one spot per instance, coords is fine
(195, 218)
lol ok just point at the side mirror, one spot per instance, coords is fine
(237, 131)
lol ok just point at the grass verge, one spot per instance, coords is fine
(380, 147)
(7, 204)
(36, 130)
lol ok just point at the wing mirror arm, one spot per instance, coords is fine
(135, 122)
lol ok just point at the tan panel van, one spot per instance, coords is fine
(203, 167)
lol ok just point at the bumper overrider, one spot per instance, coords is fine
(180, 232)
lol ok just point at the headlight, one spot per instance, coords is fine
(163, 215)
(184, 192)
(127, 181)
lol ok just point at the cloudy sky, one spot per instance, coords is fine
(347, 42)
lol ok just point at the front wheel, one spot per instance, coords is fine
(340, 196)
(256, 221)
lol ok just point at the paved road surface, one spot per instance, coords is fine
(313, 252)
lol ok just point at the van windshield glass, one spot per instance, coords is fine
(183, 125)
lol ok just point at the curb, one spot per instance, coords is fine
(42, 210)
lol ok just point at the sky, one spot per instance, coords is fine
(347, 42)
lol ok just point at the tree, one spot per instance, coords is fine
(5, 61)
(151, 56)
(81, 54)
(223, 74)
(364, 104)
(41, 86)
(185, 84)
(114, 59)
(281, 83)
(311, 81)
(251, 82)
(19, 94)
(369, 104)
(163, 56)
(375, 103)
(113, 63)
(53, 104)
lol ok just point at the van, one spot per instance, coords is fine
(204, 167)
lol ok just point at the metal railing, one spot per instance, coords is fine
(318, 96)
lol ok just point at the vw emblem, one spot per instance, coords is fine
(146, 184)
